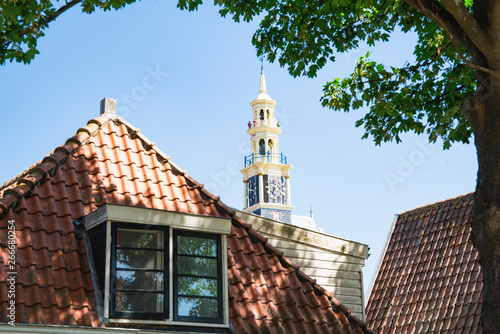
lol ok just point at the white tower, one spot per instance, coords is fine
(266, 176)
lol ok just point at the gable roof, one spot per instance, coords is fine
(110, 161)
(429, 279)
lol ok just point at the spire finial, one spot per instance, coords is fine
(262, 88)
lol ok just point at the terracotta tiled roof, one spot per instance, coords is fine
(429, 280)
(110, 161)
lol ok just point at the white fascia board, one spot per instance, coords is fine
(272, 206)
(135, 322)
(53, 329)
(298, 234)
(138, 215)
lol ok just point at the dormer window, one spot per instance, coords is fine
(160, 267)
(139, 272)
(197, 277)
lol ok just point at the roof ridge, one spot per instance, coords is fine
(16, 178)
(29, 178)
(136, 132)
(426, 207)
(25, 181)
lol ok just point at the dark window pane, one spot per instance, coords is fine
(194, 286)
(139, 280)
(139, 302)
(197, 266)
(196, 246)
(198, 307)
(139, 259)
(139, 238)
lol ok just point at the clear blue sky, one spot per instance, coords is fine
(196, 107)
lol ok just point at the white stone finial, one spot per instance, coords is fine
(108, 106)
(263, 88)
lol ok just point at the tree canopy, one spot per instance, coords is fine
(450, 91)
(23, 22)
(425, 96)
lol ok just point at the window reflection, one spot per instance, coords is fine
(139, 271)
(197, 278)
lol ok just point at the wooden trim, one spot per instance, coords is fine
(177, 220)
(108, 271)
(54, 329)
(287, 232)
(170, 270)
(225, 287)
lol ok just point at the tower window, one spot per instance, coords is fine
(262, 146)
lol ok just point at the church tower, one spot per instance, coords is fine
(266, 176)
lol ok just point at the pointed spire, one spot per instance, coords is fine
(263, 88)
(263, 97)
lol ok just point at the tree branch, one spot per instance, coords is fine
(469, 25)
(389, 75)
(460, 53)
(451, 28)
(433, 10)
(47, 19)
(441, 96)
(62, 9)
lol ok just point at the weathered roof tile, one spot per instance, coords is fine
(430, 272)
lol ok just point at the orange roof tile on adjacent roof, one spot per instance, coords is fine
(429, 280)
(110, 161)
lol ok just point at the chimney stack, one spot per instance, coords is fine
(108, 106)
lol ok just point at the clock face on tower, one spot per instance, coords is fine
(275, 189)
(253, 192)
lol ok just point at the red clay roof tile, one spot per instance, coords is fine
(440, 281)
(112, 162)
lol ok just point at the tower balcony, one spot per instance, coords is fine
(277, 158)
